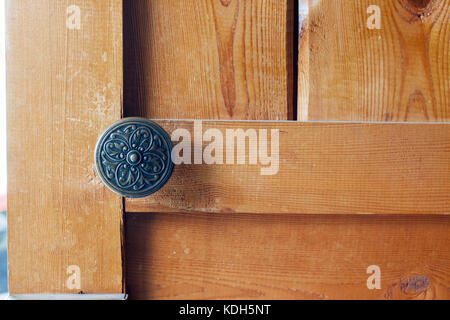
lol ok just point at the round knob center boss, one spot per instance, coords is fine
(133, 157)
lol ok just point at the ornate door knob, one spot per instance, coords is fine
(133, 157)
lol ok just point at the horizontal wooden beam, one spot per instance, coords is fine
(223, 256)
(324, 168)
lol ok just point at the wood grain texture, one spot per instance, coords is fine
(400, 72)
(332, 168)
(209, 59)
(203, 256)
(64, 88)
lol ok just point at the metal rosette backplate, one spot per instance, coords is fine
(133, 157)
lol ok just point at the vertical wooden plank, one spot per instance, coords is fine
(399, 72)
(222, 59)
(303, 61)
(64, 88)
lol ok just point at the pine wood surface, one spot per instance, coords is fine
(209, 59)
(399, 72)
(64, 88)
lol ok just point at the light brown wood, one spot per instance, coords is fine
(324, 168)
(398, 73)
(345, 73)
(64, 88)
(233, 60)
(224, 256)
(209, 59)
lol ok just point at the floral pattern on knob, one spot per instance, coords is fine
(133, 157)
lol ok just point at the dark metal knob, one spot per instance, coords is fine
(133, 157)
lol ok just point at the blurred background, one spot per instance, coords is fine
(3, 271)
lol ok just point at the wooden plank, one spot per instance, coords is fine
(64, 88)
(332, 168)
(176, 256)
(400, 72)
(209, 59)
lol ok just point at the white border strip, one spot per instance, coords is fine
(44, 296)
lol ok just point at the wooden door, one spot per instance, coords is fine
(359, 105)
